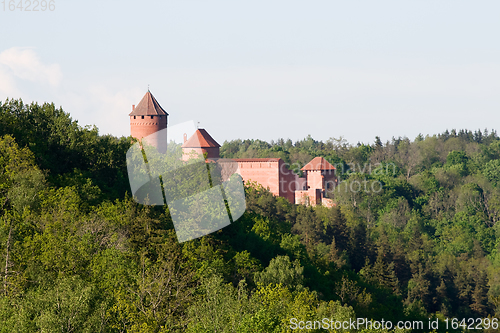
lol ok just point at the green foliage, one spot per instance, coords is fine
(20, 179)
(77, 254)
(60, 145)
(492, 171)
(282, 271)
(70, 305)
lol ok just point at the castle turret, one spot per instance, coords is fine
(200, 143)
(148, 118)
(320, 174)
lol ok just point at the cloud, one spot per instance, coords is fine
(24, 64)
(105, 104)
(23, 74)
(7, 83)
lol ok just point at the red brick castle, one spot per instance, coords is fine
(273, 173)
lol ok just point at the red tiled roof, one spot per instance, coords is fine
(318, 163)
(148, 106)
(256, 159)
(200, 139)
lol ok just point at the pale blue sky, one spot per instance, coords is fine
(262, 69)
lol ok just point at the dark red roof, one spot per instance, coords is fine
(148, 106)
(318, 163)
(256, 159)
(200, 139)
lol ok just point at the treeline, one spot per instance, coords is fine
(77, 254)
(66, 152)
(338, 150)
(427, 231)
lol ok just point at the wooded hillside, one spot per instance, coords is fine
(414, 235)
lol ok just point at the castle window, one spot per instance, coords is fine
(134, 117)
(142, 117)
(151, 117)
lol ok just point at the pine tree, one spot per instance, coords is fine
(336, 256)
(480, 296)
(337, 228)
(358, 248)
(308, 226)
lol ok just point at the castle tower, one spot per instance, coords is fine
(200, 143)
(320, 174)
(148, 118)
(320, 179)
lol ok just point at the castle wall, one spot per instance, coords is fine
(263, 171)
(321, 179)
(288, 182)
(212, 152)
(271, 173)
(188, 153)
(308, 197)
(315, 179)
(300, 183)
(140, 128)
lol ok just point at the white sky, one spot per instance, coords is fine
(262, 69)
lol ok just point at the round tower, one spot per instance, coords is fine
(147, 118)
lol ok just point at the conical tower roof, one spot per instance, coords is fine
(148, 106)
(200, 139)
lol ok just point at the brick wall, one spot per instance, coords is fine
(140, 128)
(212, 152)
(314, 179)
(262, 171)
(270, 173)
(311, 197)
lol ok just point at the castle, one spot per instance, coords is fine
(273, 173)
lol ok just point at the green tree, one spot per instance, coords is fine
(282, 271)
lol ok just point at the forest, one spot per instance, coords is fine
(413, 236)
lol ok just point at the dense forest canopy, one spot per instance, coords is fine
(78, 254)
